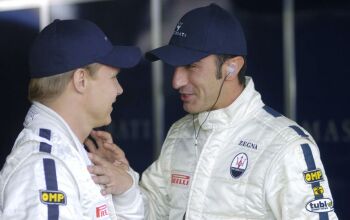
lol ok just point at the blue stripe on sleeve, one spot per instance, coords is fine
(50, 174)
(310, 163)
(51, 184)
(324, 216)
(309, 158)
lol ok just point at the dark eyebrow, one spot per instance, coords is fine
(192, 64)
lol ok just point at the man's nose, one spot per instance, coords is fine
(179, 78)
(119, 89)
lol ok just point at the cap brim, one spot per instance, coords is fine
(122, 57)
(175, 56)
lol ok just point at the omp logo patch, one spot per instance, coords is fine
(313, 176)
(320, 205)
(318, 190)
(53, 197)
(101, 211)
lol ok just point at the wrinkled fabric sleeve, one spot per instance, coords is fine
(288, 189)
(23, 192)
(155, 182)
(129, 205)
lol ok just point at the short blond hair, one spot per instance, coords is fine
(48, 88)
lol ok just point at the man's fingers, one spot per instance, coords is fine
(96, 170)
(97, 160)
(116, 153)
(90, 145)
(102, 180)
(107, 190)
(98, 140)
(106, 147)
(104, 136)
(114, 149)
(114, 178)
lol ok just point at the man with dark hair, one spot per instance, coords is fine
(231, 157)
(74, 69)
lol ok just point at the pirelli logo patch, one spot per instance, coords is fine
(53, 197)
(101, 211)
(313, 176)
(179, 179)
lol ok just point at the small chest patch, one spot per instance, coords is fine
(101, 211)
(239, 165)
(180, 179)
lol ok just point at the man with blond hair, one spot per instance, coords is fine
(74, 69)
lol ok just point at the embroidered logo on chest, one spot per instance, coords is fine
(239, 165)
(248, 144)
(180, 179)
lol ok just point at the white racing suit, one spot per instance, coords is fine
(250, 163)
(46, 177)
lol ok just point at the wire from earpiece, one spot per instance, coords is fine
(210, 110)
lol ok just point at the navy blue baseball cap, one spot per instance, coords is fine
(199, 33)
(65, 45)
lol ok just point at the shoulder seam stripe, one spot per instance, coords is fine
(44, 147)
(271, 111)
(298, 130)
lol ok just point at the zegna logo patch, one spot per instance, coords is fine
(248, 144)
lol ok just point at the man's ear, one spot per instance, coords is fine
(232, 67)
(80, 76)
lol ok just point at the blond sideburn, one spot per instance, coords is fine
(48, 88)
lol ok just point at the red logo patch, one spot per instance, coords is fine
(101, 211)
(180, 179)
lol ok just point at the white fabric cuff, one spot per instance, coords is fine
(129, 197)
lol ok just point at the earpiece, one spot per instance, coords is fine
(230, 69)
